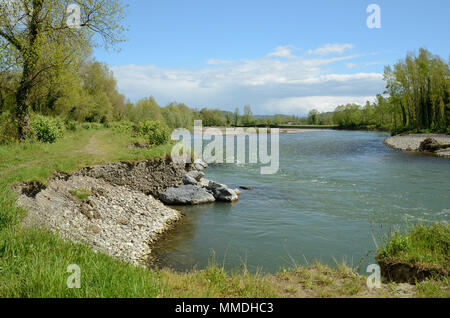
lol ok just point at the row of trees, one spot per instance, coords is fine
(417, 98)
(44, 47)
(46, 68)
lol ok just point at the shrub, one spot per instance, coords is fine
(123, 126)
(424, 245)
(95, 126)
(47, 129)
(156, 133)
(71, 125)
(8, 131)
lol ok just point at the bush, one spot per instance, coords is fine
(155, 132)
(123, 126)
(423, 245)
(8, 131)
(95, 126)
(47, 129)
(71, 125)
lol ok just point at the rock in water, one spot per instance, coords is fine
(225, 194)
(186, 195)
(222, 192)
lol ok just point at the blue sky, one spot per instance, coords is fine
(278, 56)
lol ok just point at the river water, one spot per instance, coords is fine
(335, 195)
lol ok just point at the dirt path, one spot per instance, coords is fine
(93, 147)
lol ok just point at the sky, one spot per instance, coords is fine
(278, 56)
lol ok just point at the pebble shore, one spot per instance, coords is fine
(412, 142)
(115, 220)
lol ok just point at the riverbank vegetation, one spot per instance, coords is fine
(416, 99)
(60, 110)
(425, 248)
(33, 262)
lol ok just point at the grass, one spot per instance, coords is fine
(434, 288)
(422, 246)
(34, 262)
(81, 194)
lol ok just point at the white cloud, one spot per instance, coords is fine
(353, 65)
(294, 105)
(294, 84)
(328, 49)
(282, 51)
(218, 61)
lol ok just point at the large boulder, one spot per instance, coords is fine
(429, 144)
(186, 195)
(221, 192)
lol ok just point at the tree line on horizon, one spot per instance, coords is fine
(47, 69)
(417, 98)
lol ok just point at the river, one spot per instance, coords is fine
(336, 194)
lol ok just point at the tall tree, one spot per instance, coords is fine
(247, 117)
(44, 35)
(236, 117)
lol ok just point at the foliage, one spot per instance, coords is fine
(33, 262)
(178, 116)
(426, 246)
(247, 118)
(47, 129)
(94, 126)
(417, 98)
(8, 131)
(38, 44)
(156, 132)
(146, 109)
(81, 194)
(71, 125)
(123, 126)
(212, 117)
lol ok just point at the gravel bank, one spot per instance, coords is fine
(412, 143)
(111, 208)
(115, 220)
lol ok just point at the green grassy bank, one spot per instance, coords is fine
(33, 262)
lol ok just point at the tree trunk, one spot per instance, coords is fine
(22, 113)
(403, 114)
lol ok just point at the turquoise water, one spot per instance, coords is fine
(335, 192)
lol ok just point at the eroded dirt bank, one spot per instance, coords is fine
(111, 207)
